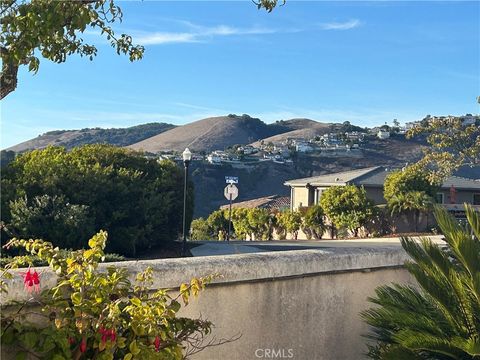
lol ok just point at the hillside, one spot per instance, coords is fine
(211, 134)
(114, 136)
(305, 129)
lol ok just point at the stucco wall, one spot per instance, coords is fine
(301, 197)
(301, 304)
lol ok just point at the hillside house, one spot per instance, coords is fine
(469, 119)
(214, 159)
(454, 192)
(410, 125)
(303, 146)
(383, 134)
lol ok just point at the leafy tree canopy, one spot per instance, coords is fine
(314, 222)
(452, 145)
(139, 201)
(412, 178)
(347, 207)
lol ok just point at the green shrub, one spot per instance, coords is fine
(314, 222)
(441, 320)
(200, 230)
(347, 207)
(95, 314)
(138, 201)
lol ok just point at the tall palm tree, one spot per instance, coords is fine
(439, 319)
(413, 202)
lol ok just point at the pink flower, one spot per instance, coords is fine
(107, 333)
(31, 281)
(157, 343)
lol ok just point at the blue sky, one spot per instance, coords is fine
(365, 62)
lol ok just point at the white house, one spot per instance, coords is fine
(214, 159)
(303, 147)
(383, 134)
(469, 119)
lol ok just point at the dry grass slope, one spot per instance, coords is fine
(215, 133)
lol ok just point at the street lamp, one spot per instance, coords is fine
(187, 157)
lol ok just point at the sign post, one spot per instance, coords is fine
(231, 193)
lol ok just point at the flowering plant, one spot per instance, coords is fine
(96, 314)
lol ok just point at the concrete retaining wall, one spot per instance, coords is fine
(301, 304)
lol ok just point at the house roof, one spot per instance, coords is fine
(267, 202)
(374, 177)
(339, 178)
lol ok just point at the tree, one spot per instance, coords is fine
(347, 207)
(314, 222)
(409, 191)
(409, 179)
(452, 145)
(414, 202)
(138, 200)
(7, 157)
(290, 222)
(54, 218)
(439, 318)
(200, 230)
(218, 224)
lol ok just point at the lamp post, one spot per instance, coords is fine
(187, 157)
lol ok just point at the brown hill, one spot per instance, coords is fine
(215, 133)
(299, 129)
(114, 136)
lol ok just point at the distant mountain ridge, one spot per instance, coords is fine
(215, 133)
(114, 136)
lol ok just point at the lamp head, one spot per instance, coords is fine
(187, 155)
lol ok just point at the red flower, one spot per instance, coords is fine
(83, 345)
(71, 340)
(157, 343)
(31, 281)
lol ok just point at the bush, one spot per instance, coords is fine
(314, 222)
(407, 180)
(442, 319)
(95, 314)
(200, 230)
(52, 217)
(289, 222)
(138, 201)
(218, 224)
(347, 207)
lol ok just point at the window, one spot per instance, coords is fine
(439, 198)
(476, 199)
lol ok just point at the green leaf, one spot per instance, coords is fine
(134, 348)
(76, 298)
(30, 339)
(21, 355)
